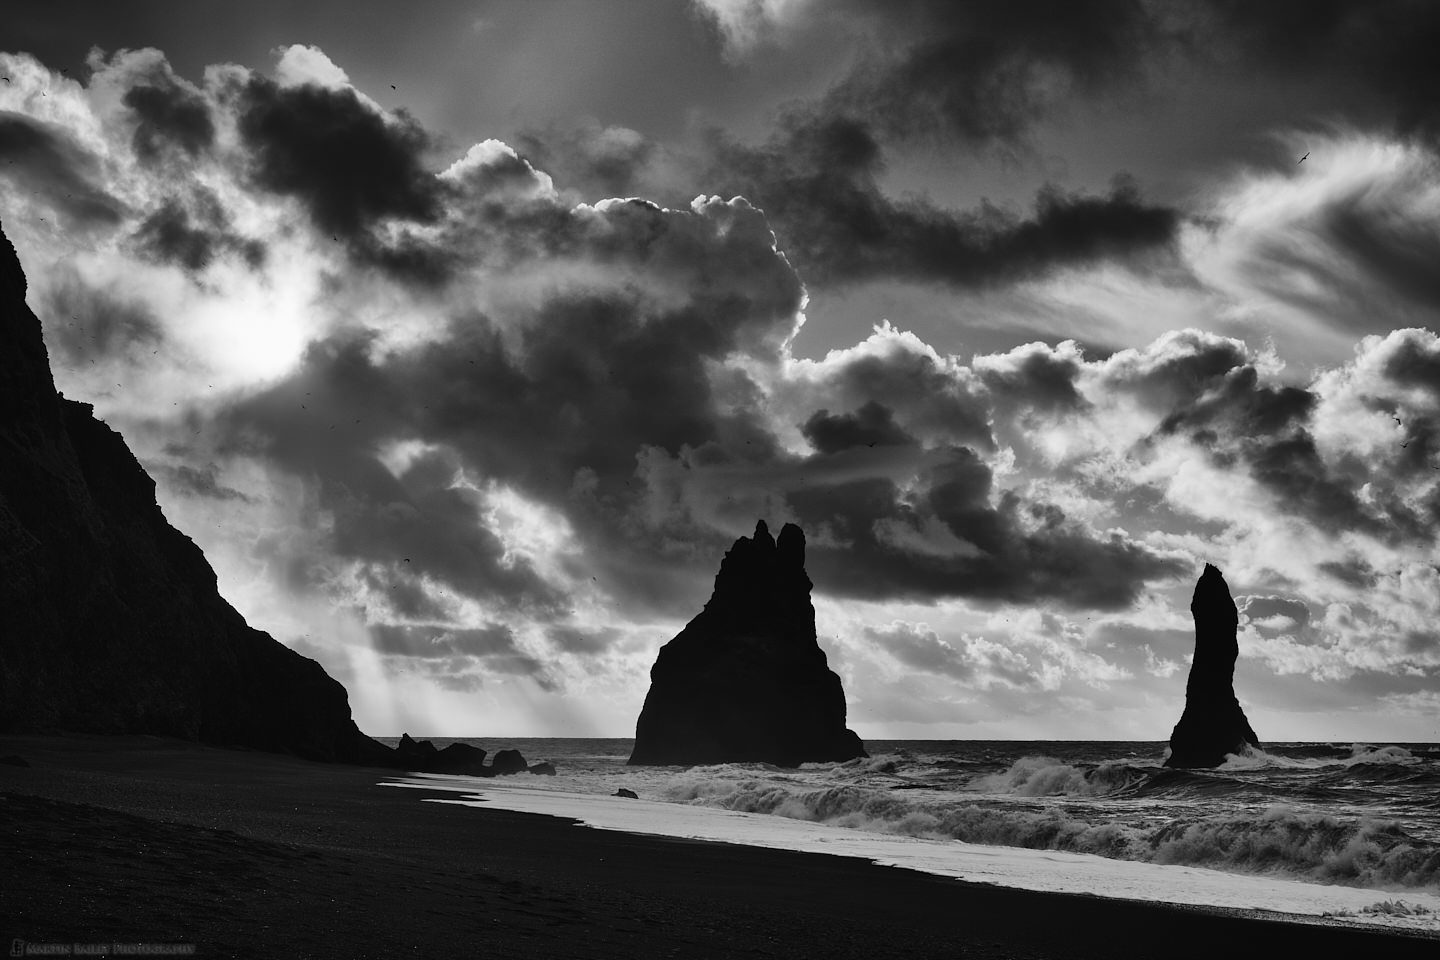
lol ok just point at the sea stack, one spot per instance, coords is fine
(746, 680)
(1213, 724)
(110, 620)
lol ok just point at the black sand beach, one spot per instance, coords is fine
(247, 854)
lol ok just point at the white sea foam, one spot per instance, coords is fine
(905, 839)
(1365, 753)
(1255, 758)
(1048, 777)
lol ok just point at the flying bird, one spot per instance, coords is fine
(1302, 159)
(1395, 418)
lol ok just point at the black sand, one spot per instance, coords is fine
(250, 855)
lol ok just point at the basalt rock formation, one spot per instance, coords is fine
(746, 680)
(460, 758)
(1213, 724)
(110, 620)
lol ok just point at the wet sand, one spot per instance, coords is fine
(246, 854)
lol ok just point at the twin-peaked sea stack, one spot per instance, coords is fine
(1213, 724)
(746, 680)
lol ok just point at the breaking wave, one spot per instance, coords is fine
(1221, 819)
(1279, 840)
(1048, 777)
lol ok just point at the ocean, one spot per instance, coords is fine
(1347, 833)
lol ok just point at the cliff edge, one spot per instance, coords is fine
(110, 620)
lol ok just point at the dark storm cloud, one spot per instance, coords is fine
(1268, 431)
(1177, 369)
(324, 424)
(963, 659)
(1352, 571)
(86, 323)
(168, 114)
(817, 182)
(563, 418)
(596, 161)
(1008, 551)
(436, 653)
(573, 640)
(985, 73)
(191, 235)
(351, 167)
(926, 398)
(1398, 249)
(1386, 45)
(1414, 362)
(438, 641)
(44, 160)
(404, 593)
(1252, 408)
(560, 408)
(1263, 608)
(872, 425)
(1034, 376)
(201, 481)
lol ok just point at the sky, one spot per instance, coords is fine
(465, 337)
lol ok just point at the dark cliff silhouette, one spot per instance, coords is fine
(110, 621)
(1213, 723)
(746, 680)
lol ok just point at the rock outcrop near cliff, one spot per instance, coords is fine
(1213, 724)
(746, 680)
(110, 621)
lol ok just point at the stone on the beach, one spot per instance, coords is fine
(416, 751)
(507, 761)
(746, 680)
(112, 620)
(543, 768)
(1212, 724)
(623, 792)
(458, 758)
(15, 760)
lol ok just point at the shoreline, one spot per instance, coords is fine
(250, 854)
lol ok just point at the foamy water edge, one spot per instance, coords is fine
(1045, 871)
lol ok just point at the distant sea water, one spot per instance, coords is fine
(1347, 830)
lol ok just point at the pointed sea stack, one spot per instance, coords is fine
(746, 680)
(1213, 723)
(110, 620)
